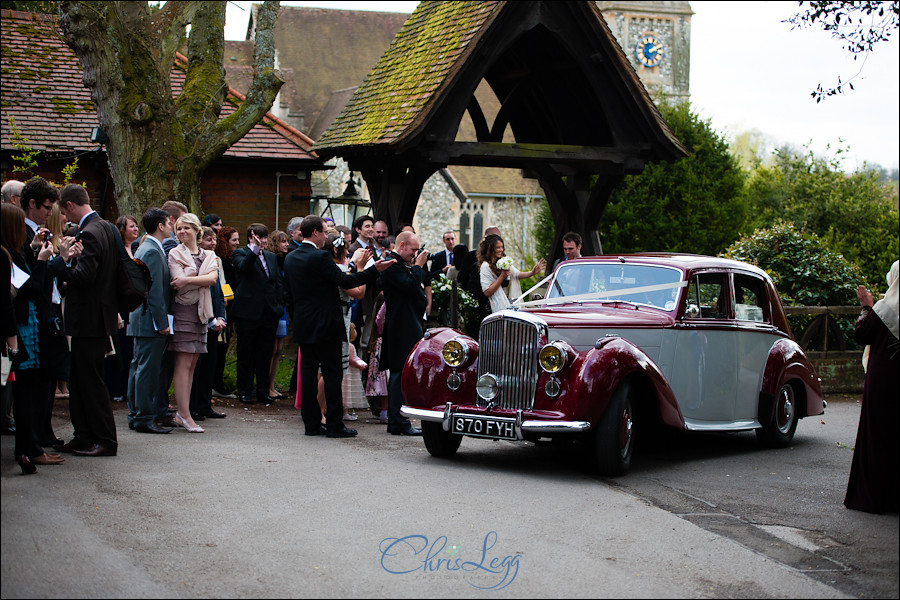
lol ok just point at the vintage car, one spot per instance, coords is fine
(618, 345)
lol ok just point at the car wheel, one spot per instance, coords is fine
(438, 442)
(613, 437)
(779, 432)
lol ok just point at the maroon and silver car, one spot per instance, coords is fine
(692, 342)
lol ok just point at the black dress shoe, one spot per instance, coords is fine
(198, 416)
(96, 450)
(152, 427)
(407, 431)
(247, 400)
(266, 399)
(211, 414)
(167, 421)
(320, 430)
(131, 426)
(344, 432)
(72, 446)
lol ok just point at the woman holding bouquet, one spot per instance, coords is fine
(499, 278)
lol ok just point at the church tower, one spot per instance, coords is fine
(656, 37)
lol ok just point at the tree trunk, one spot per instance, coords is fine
(160, 145)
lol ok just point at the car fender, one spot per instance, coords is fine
(613, 360)
(788, 362)
(424, 379)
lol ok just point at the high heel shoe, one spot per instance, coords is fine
(48, 459)
(179, 420)
(28, 467)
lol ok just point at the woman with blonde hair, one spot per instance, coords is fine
(193, 270)
(499, 278)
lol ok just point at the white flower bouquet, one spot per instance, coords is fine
(504, 263)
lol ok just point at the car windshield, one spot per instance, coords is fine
(645, 285)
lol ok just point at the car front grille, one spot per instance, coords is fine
(509, 344)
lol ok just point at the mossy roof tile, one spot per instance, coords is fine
(54, 111)
(410, 74)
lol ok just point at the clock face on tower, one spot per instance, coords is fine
(649, 50)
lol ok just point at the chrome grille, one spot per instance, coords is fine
(508, 349)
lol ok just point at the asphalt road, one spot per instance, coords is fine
(252, 508)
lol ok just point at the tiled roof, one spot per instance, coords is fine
(44, 95)
(434, 45)
(430, 46)
(330, 50)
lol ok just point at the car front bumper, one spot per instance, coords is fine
(522, 426)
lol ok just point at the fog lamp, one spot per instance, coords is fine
(552, 358)
(455, 352)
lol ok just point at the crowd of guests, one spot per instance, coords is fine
(355, 298)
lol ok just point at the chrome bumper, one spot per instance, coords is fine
(521, 426)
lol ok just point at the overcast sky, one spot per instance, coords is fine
(749, 71)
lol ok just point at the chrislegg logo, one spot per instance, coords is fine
(483, 568)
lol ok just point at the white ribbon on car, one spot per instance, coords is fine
(596, 295)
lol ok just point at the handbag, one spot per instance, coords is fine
(227, 292)
(282, 329)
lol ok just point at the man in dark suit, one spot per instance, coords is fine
(405, 302)
(149, 325)
(257, 306)
(91, 316)
(312, 283)
(441, 261)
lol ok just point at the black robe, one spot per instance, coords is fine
(874, 484)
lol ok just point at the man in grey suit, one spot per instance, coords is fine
(149, 325)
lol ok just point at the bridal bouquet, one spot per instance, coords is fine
(504, 263)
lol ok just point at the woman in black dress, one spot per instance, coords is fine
(874, 484)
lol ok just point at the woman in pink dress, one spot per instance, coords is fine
(192, 270)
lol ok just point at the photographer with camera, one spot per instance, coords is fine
(39, 201)
(405, 302)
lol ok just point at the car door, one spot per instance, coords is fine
(754, 337)
(705, 367)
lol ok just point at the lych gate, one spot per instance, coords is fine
(567, 93)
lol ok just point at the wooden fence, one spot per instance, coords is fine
(838, 364)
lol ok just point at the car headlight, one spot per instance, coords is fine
(455, 352)
(487, 387)
(552, 358)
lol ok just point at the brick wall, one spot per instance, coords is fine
(242, 195)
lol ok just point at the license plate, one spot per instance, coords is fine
(502, 429)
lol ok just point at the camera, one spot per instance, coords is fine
(46, 236)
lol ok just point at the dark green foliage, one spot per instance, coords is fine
(544, 231)
(692, 205)
(854, 214)
(805, 271)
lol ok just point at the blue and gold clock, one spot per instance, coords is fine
(649, 50)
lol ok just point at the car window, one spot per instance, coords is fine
(618, 282)
(749, 298)
(707, 297)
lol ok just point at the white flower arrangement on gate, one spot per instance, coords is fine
(504, 263)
